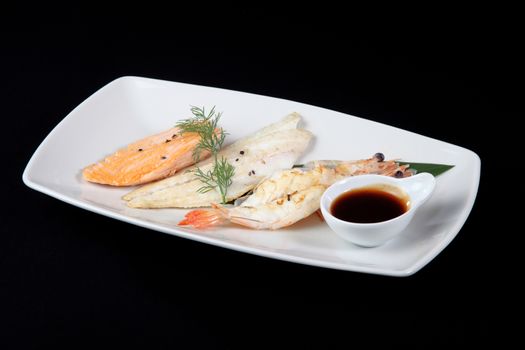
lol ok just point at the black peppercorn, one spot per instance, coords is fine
(379, 156)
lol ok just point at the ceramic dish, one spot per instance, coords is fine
(130, 108)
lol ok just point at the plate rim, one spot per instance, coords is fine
(404, 272)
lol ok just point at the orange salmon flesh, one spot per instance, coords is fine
(152, 158)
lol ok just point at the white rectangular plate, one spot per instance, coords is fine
(130, 108)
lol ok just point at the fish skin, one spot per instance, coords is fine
(275, 147)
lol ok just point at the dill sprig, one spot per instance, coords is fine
(206, 125)
(212, 138)
(219, 177)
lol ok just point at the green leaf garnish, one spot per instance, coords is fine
(212, 138)
(206, 125)
(434, 169)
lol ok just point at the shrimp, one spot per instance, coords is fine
(278, 213)
(290, 195)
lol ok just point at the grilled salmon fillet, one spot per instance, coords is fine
(152, 158)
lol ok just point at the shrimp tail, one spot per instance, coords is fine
(203, 218)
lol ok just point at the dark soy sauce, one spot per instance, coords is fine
(368, 205)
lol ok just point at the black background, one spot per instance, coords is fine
(70, 275)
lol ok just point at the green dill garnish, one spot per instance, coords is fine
(206, 125)
(219, 177)
(212, 138)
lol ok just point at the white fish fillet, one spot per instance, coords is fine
(275, 147)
